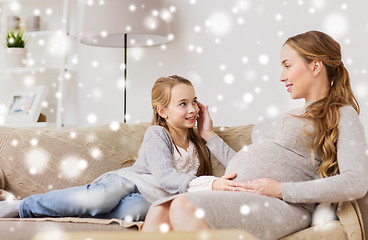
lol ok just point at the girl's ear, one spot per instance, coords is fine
(317, 67)
(161, 111)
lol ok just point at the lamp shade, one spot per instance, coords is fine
(144, 21)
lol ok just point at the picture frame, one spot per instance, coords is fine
(24, 105)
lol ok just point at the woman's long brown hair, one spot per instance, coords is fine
(324, 113)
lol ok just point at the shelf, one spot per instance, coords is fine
(27, 70)
(43, 33)
(56, 27)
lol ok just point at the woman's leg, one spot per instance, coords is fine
(157, 216)
(183, 216)
(83, 201)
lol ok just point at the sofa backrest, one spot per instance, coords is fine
(36, 160)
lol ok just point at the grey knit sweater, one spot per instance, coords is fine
(289, 160)
(154, 172)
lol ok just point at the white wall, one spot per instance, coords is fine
(207, 54)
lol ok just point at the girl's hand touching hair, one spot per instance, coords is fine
(204, 123)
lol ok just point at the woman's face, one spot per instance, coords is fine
(296, 74)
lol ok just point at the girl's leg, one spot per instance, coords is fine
(156, 216)
(183, 218)
(133, 207)
(89, 200)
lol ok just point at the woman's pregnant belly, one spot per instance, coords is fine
(270, 160)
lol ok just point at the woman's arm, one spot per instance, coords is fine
(350, 184)
(352, 157)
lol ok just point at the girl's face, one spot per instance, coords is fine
(296, 74)
(182, 110)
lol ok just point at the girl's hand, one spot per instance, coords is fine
(225, 184)
(263, 186)
(204, 123)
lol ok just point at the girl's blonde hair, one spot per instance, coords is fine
(160, 96)
(324, 113)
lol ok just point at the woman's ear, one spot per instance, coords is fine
(161, 111)
(317, 67)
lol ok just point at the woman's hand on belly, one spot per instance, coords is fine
(262, 186)
(225, 184)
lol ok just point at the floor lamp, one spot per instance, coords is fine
(125, 23)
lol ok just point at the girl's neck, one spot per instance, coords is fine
(180, 137)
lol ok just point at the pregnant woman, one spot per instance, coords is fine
(310, 155)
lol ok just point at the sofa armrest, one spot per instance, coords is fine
(363, 206)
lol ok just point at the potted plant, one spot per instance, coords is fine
(16, 53)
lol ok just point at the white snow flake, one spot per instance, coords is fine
(94, 64)
(14, 142)
(272, 111)
(199, 213)
(92, 118)
(214, 109)
(229, 78)
(114, 126)
(34, 142)
(335, 24)
(263, 59)
(132, 7)
(36, 160)
(96, 153)
(318, 4)
(248, 97)
(72, 166)
(344, 6)
(164, 228)
(220, 97)
(219, 23)
(73, 135)
(278, 17)
(128, 219)
(245, 59)
(245, 209)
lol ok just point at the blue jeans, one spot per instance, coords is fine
(111, 197)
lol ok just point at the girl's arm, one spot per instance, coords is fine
(220, 150)
(157, 151)
(352, 157)
(215, 144)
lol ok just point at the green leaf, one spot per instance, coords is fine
(15, 39)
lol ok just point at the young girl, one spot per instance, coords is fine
(314, 154)
(170, 158)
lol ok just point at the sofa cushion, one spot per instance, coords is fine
(36, 160)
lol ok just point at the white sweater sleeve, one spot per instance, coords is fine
(201, 183)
